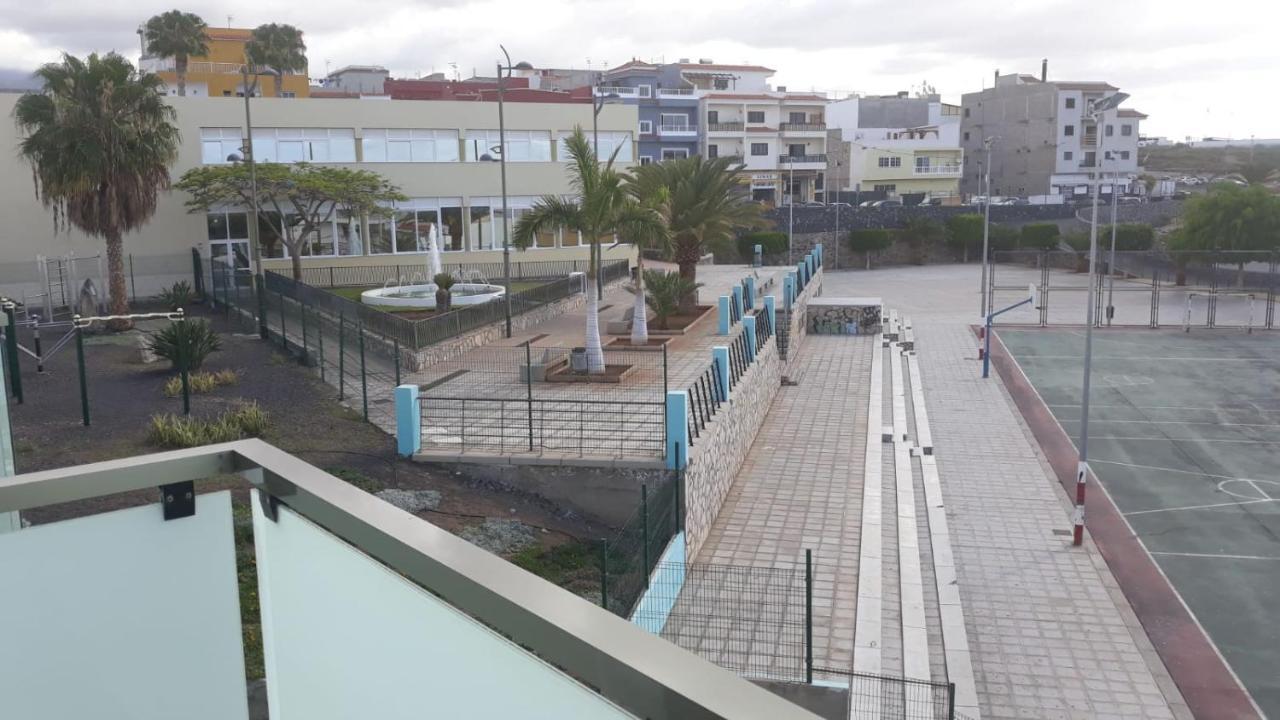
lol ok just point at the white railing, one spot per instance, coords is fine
(678, 92)
(938, 170)
(676, 129)
(618, 90)
(196, 67)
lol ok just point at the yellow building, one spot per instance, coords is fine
(219, 73)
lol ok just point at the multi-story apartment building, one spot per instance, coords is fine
(1044, 139)
(438, 153)
(219, 74)
(668, 107)
(894, 146)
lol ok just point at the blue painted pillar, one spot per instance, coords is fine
(802, 272)
(677, 447)
(771, 309)
(737, 301)
(759, 256)
(723, 327)
(788, 290)
(749, 326)
(751, 293)
(720, 363)
(408, 420)
(818, 250)
(813, 263)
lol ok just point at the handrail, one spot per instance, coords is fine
(641, 673)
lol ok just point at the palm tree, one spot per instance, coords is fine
(278, 47)
(100, 139)
(177, 35)
(654, 196)
(601, 209)
(704, 203)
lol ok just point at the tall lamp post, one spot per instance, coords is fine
(791, 209)
(1111, 262)
(502, 164)
(598, 101)
(1098, 110)
(986, 220)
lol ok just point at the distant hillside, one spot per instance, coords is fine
(11, 79)
(1208, 161)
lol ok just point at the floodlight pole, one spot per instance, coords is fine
(502, 165)
(986, 222)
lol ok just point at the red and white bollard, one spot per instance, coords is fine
(982, 336)
(1077, 517)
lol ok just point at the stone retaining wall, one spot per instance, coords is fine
(835, 319)
(799, 328)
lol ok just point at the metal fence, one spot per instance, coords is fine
(629, 559)
(881, 697)
(530, 399)
(1141, 288)
(375, 275)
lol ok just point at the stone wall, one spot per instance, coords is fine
(798, 329)
(836, 319)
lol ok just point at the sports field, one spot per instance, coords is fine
(1184, 433)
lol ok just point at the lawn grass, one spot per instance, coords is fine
(353, 294)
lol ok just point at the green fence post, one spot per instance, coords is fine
(808, 616)
(342, 356)
(320, 344)
(604, 573)
(284, 336)
(644, 521)
(396, 349)
(364, 378)
(302, 308)
(84, 381)
(528, 383)
(261, 288)
(11, 341)
(186, 389)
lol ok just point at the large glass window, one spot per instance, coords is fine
(288, 145)
(407, 232)
(451, 223)
(409, 145)
(381, 236)
(409, 227)
(759, 149)
(347, 234)
(216, 144)
(609, 143)
(755, 116)
(522, 145)
(479, 228)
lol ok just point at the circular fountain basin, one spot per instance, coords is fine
(424, 296)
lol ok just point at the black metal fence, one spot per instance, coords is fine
(894, 698)
(1141, 288)
(629, 559)
(491, 272)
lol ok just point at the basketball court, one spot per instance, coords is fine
(1184, 434)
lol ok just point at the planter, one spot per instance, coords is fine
(681, 324)
(611, 374)
(655, 344)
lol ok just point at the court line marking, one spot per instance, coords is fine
(1231, 408)
(1211, 555)
(1146, 358)
(1174, 422)
(1197, 507)
(1165, 469)
(1187, 439)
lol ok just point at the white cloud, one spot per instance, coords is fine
(1196, 70)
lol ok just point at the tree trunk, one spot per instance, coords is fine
(277, 80)
(639, 313)
(689, 303)
(1239, 275)
(966, 253)
(295, 258)
(180, 68)
(867, 254)
(118, 290)
(595, 352)
(1180, 275)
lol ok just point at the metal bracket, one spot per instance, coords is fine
(270, 505)
(178, 500)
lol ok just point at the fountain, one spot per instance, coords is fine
(423, 295)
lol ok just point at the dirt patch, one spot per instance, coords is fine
(653, 344)
(611, 374)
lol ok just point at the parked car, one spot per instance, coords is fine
(868, 203)
(1129, 200)
(813, 203)
(840, 204)
(888, 204)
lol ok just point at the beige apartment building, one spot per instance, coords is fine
(440, 154)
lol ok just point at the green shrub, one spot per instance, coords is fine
(180, 295)
(175, 431)
(1130, 236)
(869, 242)
(1002, 237)
(964, 233)
(663, 292)
(920, 234)
(1040, 236)
(185, 343)
(200, 382)
(770, 242)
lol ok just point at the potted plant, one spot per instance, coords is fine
(444, 298)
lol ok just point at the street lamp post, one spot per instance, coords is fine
(502, 165)
(1111, 262)
(986, 221)
(1082, 466)
(791, 209)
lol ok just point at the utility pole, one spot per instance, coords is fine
(986, 221)
(502, 165)
(255, 248)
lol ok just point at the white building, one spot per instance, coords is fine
(894, 145)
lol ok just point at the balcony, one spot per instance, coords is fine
(938, 171)
(731, 127)
(679, 93)
(158, 65)
(616, 91)
(365, 610)
(675, 130)
(803, 162)
(801, 128)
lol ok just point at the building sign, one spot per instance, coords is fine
(766, 180)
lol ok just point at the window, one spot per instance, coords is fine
(713, 151)
(796, 150)
(290, 145)
(888, 189)
(966, 112)
(645, 91)
(646, 159)
(1124, 154)
(522, 145)
(223, 226)
(609, 142)
(922, 162)
(646, 127)
(759, 149)
(720, 83)
(966, 137)
(1090, 159)
(755, 116)
(675, 121)
(216, 144)
(288, 94)
(1067, 155)
(674, 153)
(1126, 130)
(889, 162)
(391, 145)
(406, 230)
(796, 118)
(1111, 130)
(1071, 103)
(485, 228)
(713, 117)
(1069, 130)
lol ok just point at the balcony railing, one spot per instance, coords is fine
(677, 130)
(735, 126)
(618, 90)
(801, 159)
(803, 127)
(938, 170)
(142, 606)
(201, 67)
(678, 92)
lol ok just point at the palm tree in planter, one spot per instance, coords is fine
(602, 208)
(279, 47)
(665, 292)
(178, 35)
(444, 298)
(704, 204)
(100, 140)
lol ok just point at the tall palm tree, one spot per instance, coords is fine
(278, 47)
(602, 208)
(177, 35)
(654, 197)
(704, 203)
(100, 139)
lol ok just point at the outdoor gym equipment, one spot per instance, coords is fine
(80, 323)
(986, 329)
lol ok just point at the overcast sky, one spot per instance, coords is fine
(1197, 68)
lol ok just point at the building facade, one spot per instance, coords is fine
(1045, 141)
(437, 153)
(894, 146)
(219, 73)
(667, 106)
